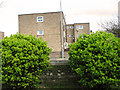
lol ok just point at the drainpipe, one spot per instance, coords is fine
(61, 30)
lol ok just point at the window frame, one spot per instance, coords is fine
(79, 26)
(40, 20)
(71, 27)
(82, 35)
(72, 36)
(39, 33)
(78, 35)
(68, 27)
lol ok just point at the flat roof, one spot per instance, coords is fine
(78, 23)
(40, 13)
(82, 23)
(69, 24)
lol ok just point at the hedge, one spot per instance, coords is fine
(96, 58)
(24, 58)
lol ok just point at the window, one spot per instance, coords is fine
(78, 35)
(40, 19)
(40, 32)
(64, 33)
(71, 35)
(67, 27)
(80, 27)
(82, 35)
(71, 27)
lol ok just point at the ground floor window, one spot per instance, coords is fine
(40, 32)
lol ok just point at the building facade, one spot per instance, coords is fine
(70, 33)
(74, 30)
(1, 35)
(48, 27)
(45, 25)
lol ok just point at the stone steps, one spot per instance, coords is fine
(59, 76)
(59, 61)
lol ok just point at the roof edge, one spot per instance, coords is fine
(82, 23)
(69, 24)
(2, 31)
(78, 23)
(39, 13)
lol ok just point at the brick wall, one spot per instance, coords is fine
(55, 55)
(72, 30)
(51, 26)
(58, 54)
(70, 33)
(86, 29)
(1, 35)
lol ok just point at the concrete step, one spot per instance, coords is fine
(59, 61)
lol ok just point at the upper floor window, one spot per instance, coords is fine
(40, 32)
(71, 27)
(80, 27)
(67, 27)
(40, 19)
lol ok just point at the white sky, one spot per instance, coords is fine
(76, 11)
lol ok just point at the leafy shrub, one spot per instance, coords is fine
(23, 60)
(96, 58)
(0, 62)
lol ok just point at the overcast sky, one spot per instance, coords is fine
(75, 11)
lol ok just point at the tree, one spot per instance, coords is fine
(112, 26)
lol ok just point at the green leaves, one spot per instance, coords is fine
(96, 59)
(23, 60)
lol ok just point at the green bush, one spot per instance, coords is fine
(23, 60)
(0, 63)
(96, 58)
